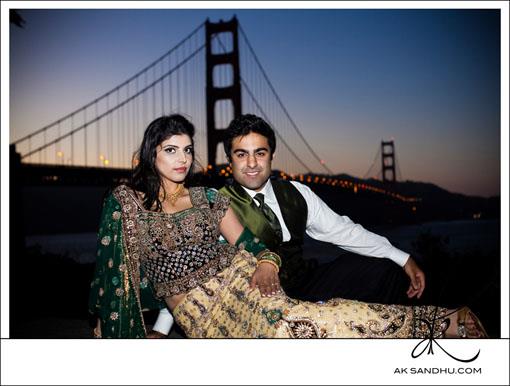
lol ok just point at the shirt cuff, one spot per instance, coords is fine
(399, 256)
(164, 322)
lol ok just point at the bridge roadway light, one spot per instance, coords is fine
(101, 157)
(60, 154)
(106, 162)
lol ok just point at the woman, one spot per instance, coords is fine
(158, 236)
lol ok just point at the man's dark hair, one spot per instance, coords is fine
(244, 125)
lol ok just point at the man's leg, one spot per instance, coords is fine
(356, 277)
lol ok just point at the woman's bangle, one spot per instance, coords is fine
(268, 255)
(269, 262)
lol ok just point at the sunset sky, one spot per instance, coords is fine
(430, 79)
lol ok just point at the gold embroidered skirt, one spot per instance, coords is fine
(225, 307)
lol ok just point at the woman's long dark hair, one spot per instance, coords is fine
(145, 177)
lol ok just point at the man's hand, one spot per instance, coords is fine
(417, 277)
(153, 334)
(266, 279)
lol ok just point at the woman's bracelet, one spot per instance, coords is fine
(271, 256)
(269, 262)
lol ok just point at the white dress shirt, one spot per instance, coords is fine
(324, 224)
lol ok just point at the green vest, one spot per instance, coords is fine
(294, 211)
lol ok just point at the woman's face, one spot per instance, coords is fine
(174, 157)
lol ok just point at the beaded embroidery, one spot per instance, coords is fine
(177, 251)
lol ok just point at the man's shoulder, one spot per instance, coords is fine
(302, 188)
(308, 194)
(281, 183)
(232, 188)
(297, 184)
(292, 189)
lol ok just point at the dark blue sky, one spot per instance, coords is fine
(349, 78)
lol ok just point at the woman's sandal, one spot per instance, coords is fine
(461, 324)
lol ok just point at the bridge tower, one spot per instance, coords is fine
(215, 93)
(388, 161)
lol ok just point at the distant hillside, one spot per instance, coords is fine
(435, 203)
(59, 212)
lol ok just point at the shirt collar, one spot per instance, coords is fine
(267, 191)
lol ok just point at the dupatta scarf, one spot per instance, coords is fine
(120, 291)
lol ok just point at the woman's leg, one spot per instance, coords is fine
(226, 307)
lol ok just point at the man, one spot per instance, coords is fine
(280, 213)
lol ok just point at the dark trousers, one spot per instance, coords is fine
(351, 276)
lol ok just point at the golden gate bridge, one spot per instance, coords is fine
(101, 136)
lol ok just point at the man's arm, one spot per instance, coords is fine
(325, 225)
(417, 277)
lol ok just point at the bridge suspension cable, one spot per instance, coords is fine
(108, 128)
(282, 106)
(399, 173)
(250, 93)
(111, 110)
(106, 94)
(276, 131)
(370, 171)
(116, 114)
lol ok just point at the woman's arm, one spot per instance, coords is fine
(230, 227)
(265, 277)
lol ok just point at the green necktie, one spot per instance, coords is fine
(271, 217)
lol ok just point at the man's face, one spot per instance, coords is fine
(251, 160)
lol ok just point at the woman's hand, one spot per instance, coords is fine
(97, 329)
(153, 334)
(266, 279)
